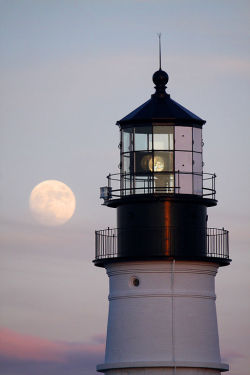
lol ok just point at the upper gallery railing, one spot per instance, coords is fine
(126, 184)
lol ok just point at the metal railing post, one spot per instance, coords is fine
(96, 255)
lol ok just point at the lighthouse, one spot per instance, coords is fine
(161, 259)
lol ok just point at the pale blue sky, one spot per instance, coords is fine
(69, 71)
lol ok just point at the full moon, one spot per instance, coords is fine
(52, 203)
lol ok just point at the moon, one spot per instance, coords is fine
(52, 203)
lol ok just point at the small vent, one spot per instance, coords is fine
(134, 281)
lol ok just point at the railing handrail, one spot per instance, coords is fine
(152, 173)
(110, 230)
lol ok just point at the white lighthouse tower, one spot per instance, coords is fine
(161, 259)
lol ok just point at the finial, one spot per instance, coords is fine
(160, 78)
(159, 36)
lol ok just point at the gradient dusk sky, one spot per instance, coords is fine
(69, 70)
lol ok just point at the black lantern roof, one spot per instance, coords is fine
(161, 108)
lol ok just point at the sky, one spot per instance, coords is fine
(70, 70)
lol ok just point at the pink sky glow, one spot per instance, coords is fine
(23, 347)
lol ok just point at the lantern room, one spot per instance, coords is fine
(161, 158)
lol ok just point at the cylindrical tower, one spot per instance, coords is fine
(161, 259)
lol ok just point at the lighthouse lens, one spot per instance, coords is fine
(158, 165)
(162, 161)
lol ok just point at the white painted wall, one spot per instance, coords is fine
(168, 323)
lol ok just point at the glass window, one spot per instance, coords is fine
(197, 137)
(144, 184)
(184, 183)
(143, 138)
(164, 183)
(127, 141)
(163, 137)
(126, 163)
(142, 161)
(197, 165)
(197, 180)
(183, 138)
(127, 184)
(183, 161)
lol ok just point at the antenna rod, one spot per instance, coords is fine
(159, 36)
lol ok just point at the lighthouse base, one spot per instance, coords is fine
(162, 319)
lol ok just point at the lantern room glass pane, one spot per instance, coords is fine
(184, 183)
(183, 161)
(142, 161)
(143, 138)
(127, 184)
(197, 181)
(197, 138)
(183, 138)
(163, 137)
(143, 185)
(197, 162)
(126, 163)
(127, 140)
(164, 183)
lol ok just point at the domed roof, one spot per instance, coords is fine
(161, 108)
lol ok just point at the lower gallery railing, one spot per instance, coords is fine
(216, 241)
